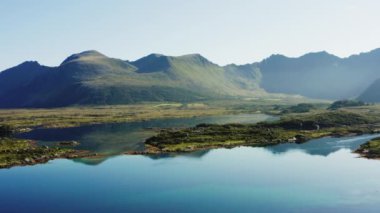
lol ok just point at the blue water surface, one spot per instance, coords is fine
(319, 176)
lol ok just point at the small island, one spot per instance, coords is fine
(19, 152)
(370, 149)
(289, 129)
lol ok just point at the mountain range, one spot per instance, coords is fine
(91, 78)
(320, 75)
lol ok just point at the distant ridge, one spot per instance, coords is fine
(372, 93)
(320, 74)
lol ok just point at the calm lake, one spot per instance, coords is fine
(319, 176)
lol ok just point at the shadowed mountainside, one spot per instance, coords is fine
(372, 93)
(320, 75)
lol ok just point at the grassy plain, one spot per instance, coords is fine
(77, 116)
(24, 119)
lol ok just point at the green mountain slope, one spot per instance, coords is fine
(93, 78)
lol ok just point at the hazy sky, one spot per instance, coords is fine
(224, 31)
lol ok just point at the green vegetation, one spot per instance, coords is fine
(27, 119)
(325, 120)
(24, 119)
(345, 103)
(296, 129)
(5, 130)
(16, 152)
(299, 108)
(273, 105)
(371, 149)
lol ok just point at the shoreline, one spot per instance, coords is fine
(19, 152)
(370, 149)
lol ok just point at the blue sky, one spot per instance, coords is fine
(224, 31)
